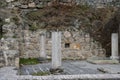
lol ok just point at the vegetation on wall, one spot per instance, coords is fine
(64, 16)
(33, 27)
(15, 19)
(1, 30)
(92, 20)
(2, 3)
(55, 16)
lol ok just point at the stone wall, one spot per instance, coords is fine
(9, 46)
(24, 4)
(75, 45)
(81, 46)
(23, 43)
(31, 45)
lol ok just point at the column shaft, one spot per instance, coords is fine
(42, 45)
(56, 50)
(114, 48)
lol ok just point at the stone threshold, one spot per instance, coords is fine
(109, 61)
(72, 77)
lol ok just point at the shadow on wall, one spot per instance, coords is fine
(111, 27)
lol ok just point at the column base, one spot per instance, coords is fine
(42, 60)
(56, 71)
(114, 57)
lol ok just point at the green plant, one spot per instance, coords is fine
(2, 4)
(1, 29)
(41, 73)
(14, 36)
(1, 36)
(33, 27)
(82, 7)
(36, 15)
(29, 61)
(15, 19)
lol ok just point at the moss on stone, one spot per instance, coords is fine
(15, 19)
(2, 3)
(1, 36)
(41, 73)
(1, 30)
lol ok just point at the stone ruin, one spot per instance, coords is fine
(9, 49)
(25, 4)
(76, 45)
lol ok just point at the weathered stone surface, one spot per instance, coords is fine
(114, 48)
(67, 34)
(75, 46)
(40, 5)
(102, 60)
(17, 62)
(24, 6)
(17, 3)
(81, 46)
(9, 1)
(43, 45)
(31, 5)
(9, 27)
(11, 53)
(56, 50)
(7, 20)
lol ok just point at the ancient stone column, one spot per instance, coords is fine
(119, 41)
(6, 58)
(42, 45)
(17, 59)
(56, 50)
(5, 48)
(114, 48)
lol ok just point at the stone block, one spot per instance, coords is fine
(9, 1)
(17, 3)
(34, 40)
(30, 47)
(67, 34)
(17, 62)
(81, 40)
(87, 39)
(7, 20)
(87, 47)
(66, 1)
(75, 46)
(24, 6)
(32, 5)
(49, 4)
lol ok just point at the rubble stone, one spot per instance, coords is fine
(32, 5)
